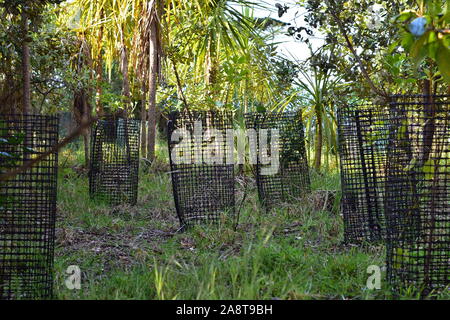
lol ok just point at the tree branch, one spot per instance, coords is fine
(350, 46)
(180, 88)
(27, 165)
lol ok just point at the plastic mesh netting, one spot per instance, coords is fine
(281, 168)
(202, 178)
(27, 207)
(363, 139)
(418, 193)
(114, 167)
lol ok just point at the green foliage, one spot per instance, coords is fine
(51, 50)
(433, 42)
(217, 55)
(318, 86)
(33, 8)
(222, 55)
(11, 142)
(370, 31)
(9, 159)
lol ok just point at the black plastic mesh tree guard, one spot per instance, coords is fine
(290, 179)
(27, 207)
(418, 193)
(203, 181)
(363, 138)
(114, 166)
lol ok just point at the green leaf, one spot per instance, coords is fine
(446, 17)
(443, 61)
(432, 45)
(401, 133)
(17, 139)
(407, 41)
(411, 165)
(393, 46)
(419, 50)
(260, 109)
(406, 15)
(429, 169)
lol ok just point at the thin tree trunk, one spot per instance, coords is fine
(319, 140)
(99, 75)
(126, 80)
(429, 127)
(86, 117)
(211, 70)
(26, 72)
(126, 93)
(179, 86)
(144, 119)
(152, 86)
(86, 140)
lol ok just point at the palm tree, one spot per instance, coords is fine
(88, 19)
(153, 20)
(138, 32)
(225, 32)
(126, 31)
(318, 85)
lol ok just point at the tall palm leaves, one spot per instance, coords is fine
(208, 43)
(318, 86)
(87, 18)
(222, 49)
(224, 31)
(107, 26)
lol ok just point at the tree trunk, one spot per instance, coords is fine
(26, 72)
(152, 87)
(179, 86)
(319, 140)
(86, 140)
(87, 134)
(126, 80)
(99, 76)
(144, 119)
(82, 114)
(212, 66)
(429, 127)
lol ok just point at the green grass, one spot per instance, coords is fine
(296, 252)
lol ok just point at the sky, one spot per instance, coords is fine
(289, 48)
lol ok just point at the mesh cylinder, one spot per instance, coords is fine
(27, 207)
(202, 179)
(363, 138)
(114, 166)
(287, 179)
(418, 193)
